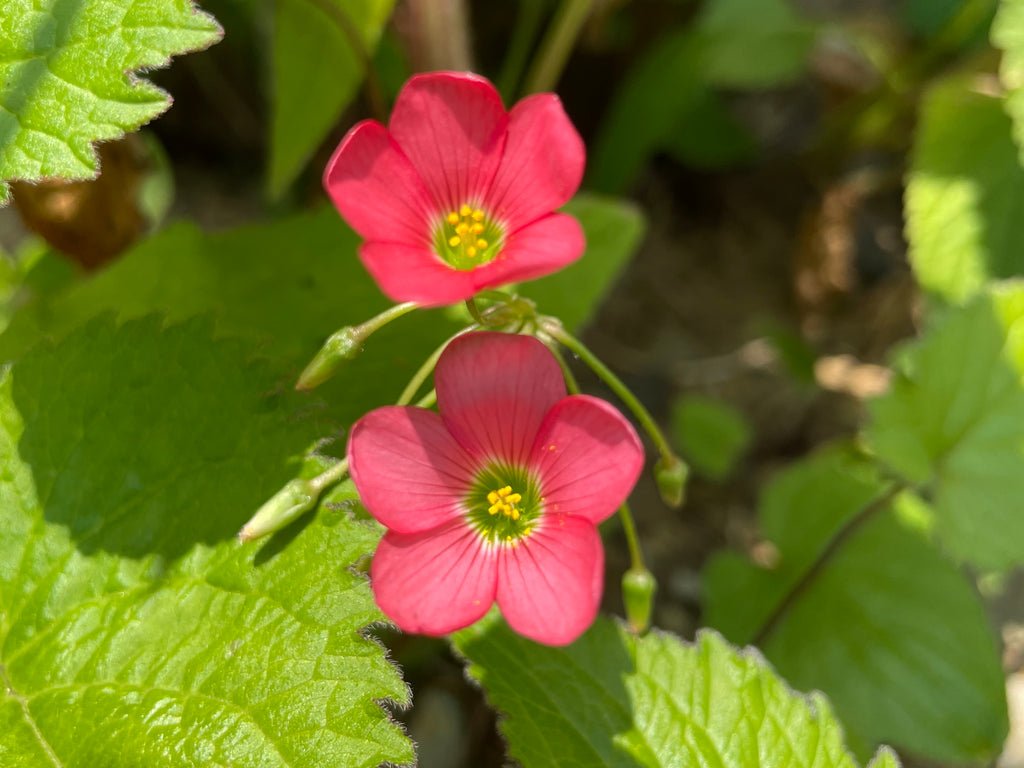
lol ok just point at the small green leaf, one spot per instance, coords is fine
(963, 219)
(753, 43)
(952, 420)
(129, 612)
(613, 229)
(711, 434)
(66, 77)
(611, 699)
(890, 630)
(316, 74)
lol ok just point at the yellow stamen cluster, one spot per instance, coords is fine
(504, 501)
(469, 226)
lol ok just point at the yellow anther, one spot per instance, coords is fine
(471, 251)
(478, 215)
(455, 240)
(462, 229)
(466, 211)
(514, 498)
(478, 228)
(493, 497)
(481, 243)
(495, 509)
(505, 491)
(453, 218)
(515, 513)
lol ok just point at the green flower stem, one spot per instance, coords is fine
(566, 339)
(345, 344)
(474, 310)
(427, 368)
(528, 21)
(570, 379)
(428, 400)
(558, 43)
(329, 477)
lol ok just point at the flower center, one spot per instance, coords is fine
(468, 238)
(504, 504)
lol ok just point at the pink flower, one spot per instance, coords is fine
(496, 498)
(456, 194)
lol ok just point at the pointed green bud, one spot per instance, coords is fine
(343, 345)
(638, 588)
(670, 474)
(295, 499)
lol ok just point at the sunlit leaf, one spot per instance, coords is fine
(66, 77)
(611, 699)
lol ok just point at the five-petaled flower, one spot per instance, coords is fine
(497, 497)
(456, 194)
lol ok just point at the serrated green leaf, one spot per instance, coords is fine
(128, 612)
(963, 193)
(66, 77)
(711, 434)
(315, 76)
(613, 229)
(889, 629)
(610, 699)
(952, 420)
(1008, 34)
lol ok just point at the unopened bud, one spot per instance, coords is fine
(296, 498)
(670, 474)
(343, 345)
(638, 588)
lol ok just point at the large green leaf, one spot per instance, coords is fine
(315, 74)
(711, 434)
(134, 628)
(889, 629)
(288, 284)
(611, 699)
(613, 229)
(964, 193)
(66, 77)
(952, 421)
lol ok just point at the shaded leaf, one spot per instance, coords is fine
(129, 612)
(711, 434)
(890, 630)
(315, 75)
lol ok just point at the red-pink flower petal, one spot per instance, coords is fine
(539, 249)
(377, 189)
(549, 585)
(410, 273)
(410, 473)
(493, 391)
(543, 162)
(588, 458)
(452, 126)
(436, 581)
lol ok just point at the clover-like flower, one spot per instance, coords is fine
(456, 194)
(497, 497)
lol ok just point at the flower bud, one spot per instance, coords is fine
(670, 474)
(342, 346)
(638, 588)
(296, 498)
